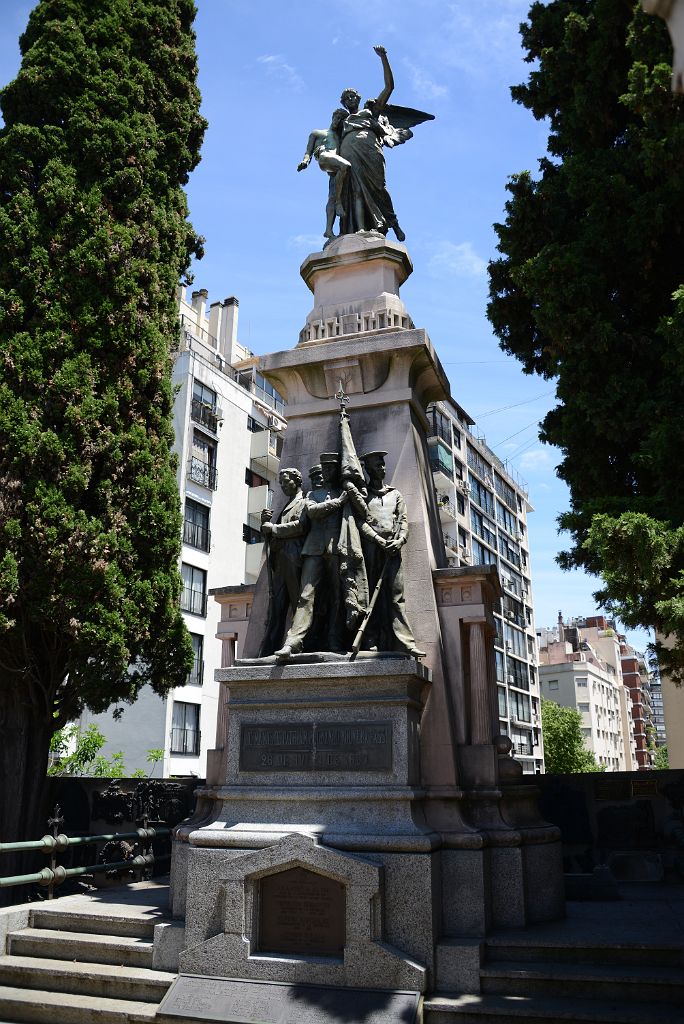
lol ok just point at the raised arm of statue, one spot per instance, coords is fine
(388, 89)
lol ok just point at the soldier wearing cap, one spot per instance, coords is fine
(383, 524)
(316, 476)
(320, 579)
(286, 538)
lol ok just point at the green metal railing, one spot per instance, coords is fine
(52, 845)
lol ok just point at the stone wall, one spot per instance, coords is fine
(633, 822)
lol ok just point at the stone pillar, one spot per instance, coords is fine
(236, 608)
(481, 725)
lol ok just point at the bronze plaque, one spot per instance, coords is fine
(276, 748)
(318, 747)
(231, 1001)
(301, 912)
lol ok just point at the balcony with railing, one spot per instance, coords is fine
(185, 741)
(197, 535)
(264, 450)
(205, 415)
(203, 473)
(441, 464)
(447, 509)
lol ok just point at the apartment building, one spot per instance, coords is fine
(483, 509)
(228, 425)
(658, 708)
(637, 680)
(580, 666)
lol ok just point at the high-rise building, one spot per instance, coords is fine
(581, 667)
(228, 424)
(483, 509)
(637, 679)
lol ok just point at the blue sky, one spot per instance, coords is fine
(271, 72)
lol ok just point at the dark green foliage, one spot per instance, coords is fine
(591, 259)
(661, 760)
(102, 128)
(564, 749)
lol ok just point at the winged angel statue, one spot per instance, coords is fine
(351, 152)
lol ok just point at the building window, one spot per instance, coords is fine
(185, 730)
(516, 674)
(253, 479)
(196, 525)
(583, 706)
(250, 535)
(552, 684)
(441, 425)
(460, 504)
(203, 408)
(580, 680)
(194, 594)
(503, 709)
(196, 675)
(202, 467)
(441, 460)
(254, 426)
(481, 495)
(520, 706)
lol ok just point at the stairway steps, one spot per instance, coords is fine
(577, 980)
(110, 980)
(508, 1009)
(98, 924)
(644, 955)
(48, 1007)
(81, 946)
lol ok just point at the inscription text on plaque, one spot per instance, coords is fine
(303, 912)
(316, 746)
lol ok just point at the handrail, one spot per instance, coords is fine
(51, 845)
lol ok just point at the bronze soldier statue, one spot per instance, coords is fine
(285, 539)
(383, 524)
(320, 578)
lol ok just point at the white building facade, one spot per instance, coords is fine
(483, 510)
(228, 424)
(580, 667)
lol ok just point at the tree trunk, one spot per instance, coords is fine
(24, 751)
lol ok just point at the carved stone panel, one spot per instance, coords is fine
(301, 912)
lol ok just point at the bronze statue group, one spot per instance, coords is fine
(334, 559)
(350, 151)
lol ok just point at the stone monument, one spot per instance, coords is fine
(362, 825)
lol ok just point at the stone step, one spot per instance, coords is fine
(23, 1004)
(88, 948)
(95, 923)
(553, 951)
(511, 1009)
(110, 980)
(580, 980)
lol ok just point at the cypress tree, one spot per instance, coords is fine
(588, 291)
(102, 128)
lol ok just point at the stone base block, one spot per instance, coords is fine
(457, 965)
(298, 912)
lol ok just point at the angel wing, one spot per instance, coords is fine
(405, 117)
(396, 123)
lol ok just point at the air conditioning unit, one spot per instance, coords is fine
(509, 614)
(274, 423)
(509, 646)
(510, 678)
(464, 486)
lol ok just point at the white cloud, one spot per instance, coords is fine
(449, 259)
(424, 86)
(312, 243)
(276, 66)
(537, 458)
